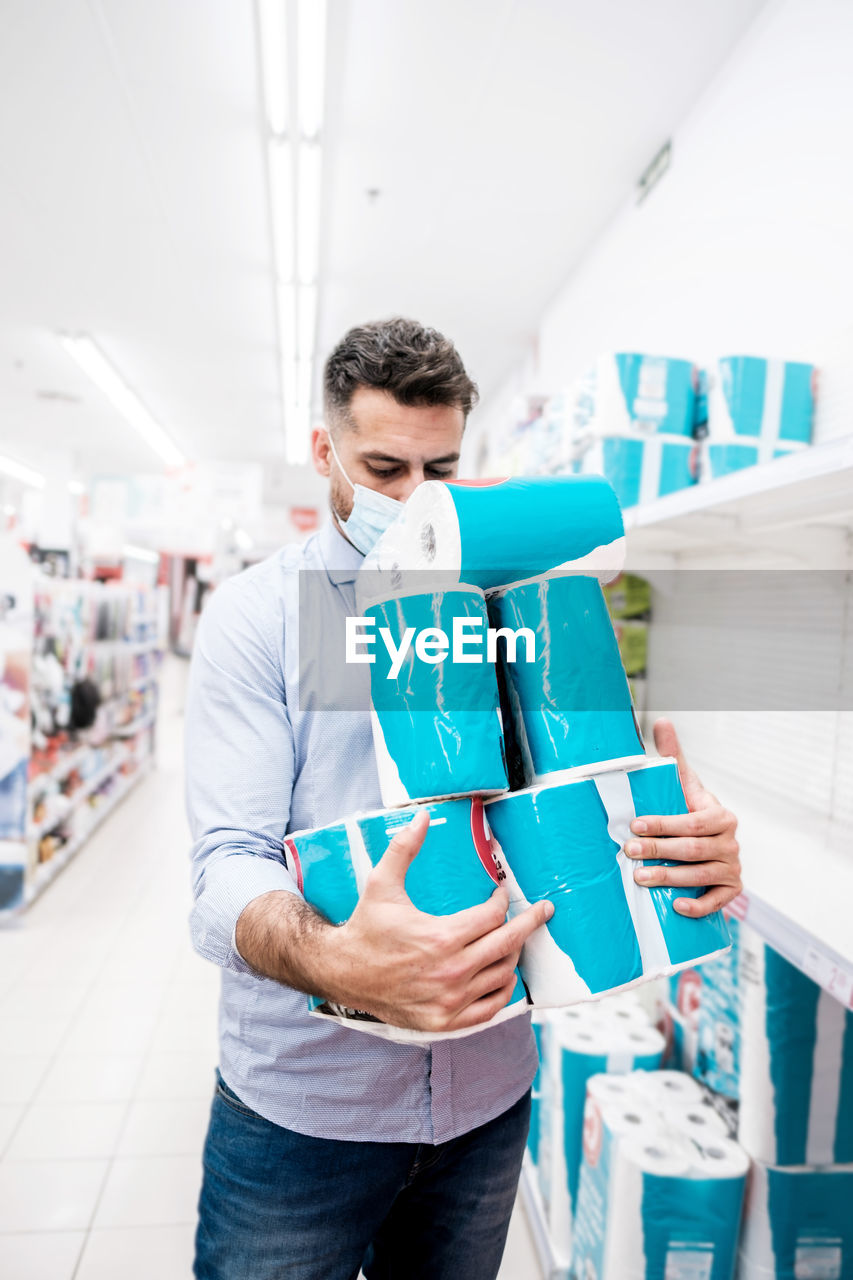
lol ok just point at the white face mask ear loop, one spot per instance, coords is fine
(338, 461)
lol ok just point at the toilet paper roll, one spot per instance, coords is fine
(436, 724)
(573, 699)
(666, 1089)
(701, 1123)
(490, 533)
(642, 470)
(454, 869)
(797, 1224)
(564, 842)
(655, 1208)
(796, 1086)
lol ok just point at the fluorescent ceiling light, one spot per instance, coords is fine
(17, 470)
(242, 539)
(280, 155)
(271, 14)
(311, 50)
(76, 487)
(308, 212)
(307, 321)
(96, 367)
(130, 552)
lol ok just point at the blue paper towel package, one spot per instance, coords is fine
(798, 1224)
(796, 1076)
(717, 1057)
(492, 533)
(563, 841)
(654, 1202)
(572, 705)
(455, 868)
(436, 725)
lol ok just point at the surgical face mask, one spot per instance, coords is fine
(371, 513)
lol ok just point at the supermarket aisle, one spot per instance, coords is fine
(107, 1051)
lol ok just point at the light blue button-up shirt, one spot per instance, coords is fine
(260, 764)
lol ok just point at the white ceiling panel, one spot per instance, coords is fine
(500, 135)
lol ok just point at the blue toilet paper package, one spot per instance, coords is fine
(494, 532)
(455, 868)
(758, 409)
(643, 469)
(654, 1204)
(798, 1224)
(717, 1058)
(643, 394)
(436, 724)
(572, 705)
(563, 841)
(725, 458)
(796, 1076)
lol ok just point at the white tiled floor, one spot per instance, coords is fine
(107, 1050)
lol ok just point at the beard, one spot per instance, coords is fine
(341, 496)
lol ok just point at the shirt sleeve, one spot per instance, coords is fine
(239, 766)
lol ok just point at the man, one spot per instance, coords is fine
(329, 1149)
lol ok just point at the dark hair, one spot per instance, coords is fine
(414, 364)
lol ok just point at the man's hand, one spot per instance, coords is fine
(703, 839)
(432, 973)
(435, 973)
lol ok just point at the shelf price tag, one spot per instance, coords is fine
(835, 979)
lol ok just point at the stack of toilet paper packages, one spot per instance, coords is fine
(717, 1057)
(640, 428)
(795, 1120)
(757, 410)
(538, 1021)
(661, 1185)
(440, 736)
(613, 1035)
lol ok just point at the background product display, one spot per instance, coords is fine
(797, 1224)
(796, 1068)
(655, 1197)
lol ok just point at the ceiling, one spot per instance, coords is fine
(500, 136)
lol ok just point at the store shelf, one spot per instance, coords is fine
(47, 871)
(62, 767)
(135, 726)
(812, 487)
(798, 882)
(534, 1211)
(89, 786)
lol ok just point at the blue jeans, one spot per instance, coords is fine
(277, 1204)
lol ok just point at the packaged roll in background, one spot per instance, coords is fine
(584, 1042)
(571, 705)
(678, 1017)
(643, 395)
(798, 1224)
(643, 469)
(564, 842)
(652, 1203)
(717, 1061)
(436, 719)
(454, 869)
(758, 409)
(796, 1063)
(493, 532)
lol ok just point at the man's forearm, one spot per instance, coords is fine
(284, 938)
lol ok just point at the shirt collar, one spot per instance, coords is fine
(341, 558)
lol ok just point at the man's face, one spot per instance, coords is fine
(392, 448)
